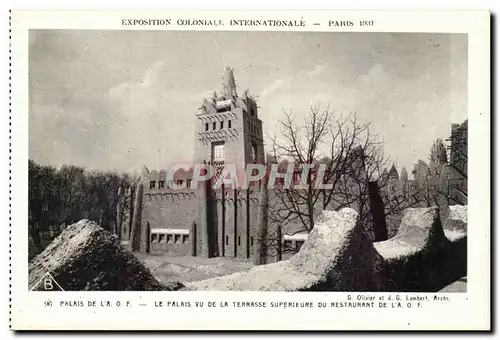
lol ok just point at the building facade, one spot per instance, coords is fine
(205, 221)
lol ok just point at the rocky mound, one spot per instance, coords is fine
(455, 230)
(416, 258)
(420, 229)
(337, 256)
(457, 220)
(459, 286)
(87, 257)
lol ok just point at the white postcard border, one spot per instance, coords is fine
(469, 310)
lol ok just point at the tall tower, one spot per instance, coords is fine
(228, 129)
(228, 134)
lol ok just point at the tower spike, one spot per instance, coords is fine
(228, 84)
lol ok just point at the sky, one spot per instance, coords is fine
(117, 100)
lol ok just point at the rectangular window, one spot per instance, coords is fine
(298, 244)
(280, 183)
(218, 152)
(154, 238)
(206, 126)
(229, 124)
(287, 244)
(152, 184)
(224, 108)
(223, 105)
(188, 183)
(296, 177)
(214, 125)
(161, 184)
(185, 238)
(221, 124)
(177, 238)
(162, 238)
(179, 181)
(227, 240)
(170, 238)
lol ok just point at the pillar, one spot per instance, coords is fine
(193, 239)
(147, 238)
(280, 243)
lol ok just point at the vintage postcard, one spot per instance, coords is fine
(250, 170)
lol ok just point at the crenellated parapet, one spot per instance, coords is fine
(338, 256)
(169, 195)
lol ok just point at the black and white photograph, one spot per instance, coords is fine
(247, 161)
(235, 170)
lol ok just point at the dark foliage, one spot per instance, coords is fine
(60, 197)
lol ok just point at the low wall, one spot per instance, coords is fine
(170, 242)
(420, 257)
(338, 256)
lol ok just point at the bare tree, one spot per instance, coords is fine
(301, 144)
(125, 204)
(349, 151)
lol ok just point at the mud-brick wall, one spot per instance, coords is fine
(230, 221)
(242, 235)
(175, 209)
(221, 230)
(236, 223)
(253, 218)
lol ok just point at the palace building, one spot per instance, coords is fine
(204, 221)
